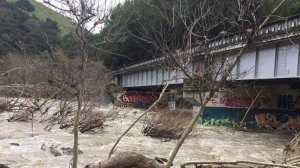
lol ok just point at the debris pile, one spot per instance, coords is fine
(62, 114)
(166, 124)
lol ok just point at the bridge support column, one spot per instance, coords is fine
(195, 109)
(172, 105)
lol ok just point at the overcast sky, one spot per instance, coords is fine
(108, 3)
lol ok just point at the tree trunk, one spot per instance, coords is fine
(76, 124)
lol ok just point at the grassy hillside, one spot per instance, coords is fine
(42, 12)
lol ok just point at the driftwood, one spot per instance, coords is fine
(69, 151)
(239, 164)
(54, 150)
(127, 160)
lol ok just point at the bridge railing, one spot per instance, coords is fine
(277, 30)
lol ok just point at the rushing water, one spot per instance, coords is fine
(204, 144)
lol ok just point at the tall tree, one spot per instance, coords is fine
(205, 22)
(79, 77)
(202, 22)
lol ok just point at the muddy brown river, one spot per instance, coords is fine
(19, 147)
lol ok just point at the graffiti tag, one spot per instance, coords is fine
(239, 102)
(132, 97)
(137, 99)
(287, 102)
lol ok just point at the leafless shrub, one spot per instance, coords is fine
(166, 123)
(22, 109)
(90, 119)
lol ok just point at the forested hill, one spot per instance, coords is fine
(42, 12)
(29, 27)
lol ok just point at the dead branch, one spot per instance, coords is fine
(292, 147)
(69, 151)
(54, 151)
(241, 164)
(295, 161)
(249, 108)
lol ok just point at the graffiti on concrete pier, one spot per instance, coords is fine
(137, 99)
(277, 120)
(239, 102)
(133, 97)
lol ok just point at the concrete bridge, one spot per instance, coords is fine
(274, 56)
(272, 65)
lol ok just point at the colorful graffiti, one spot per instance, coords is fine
(239, 99)
(137, 99)
(132, 97)
(239, 102)
(275, 120)
(284, 100)
(275, 108)
(271, 119)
